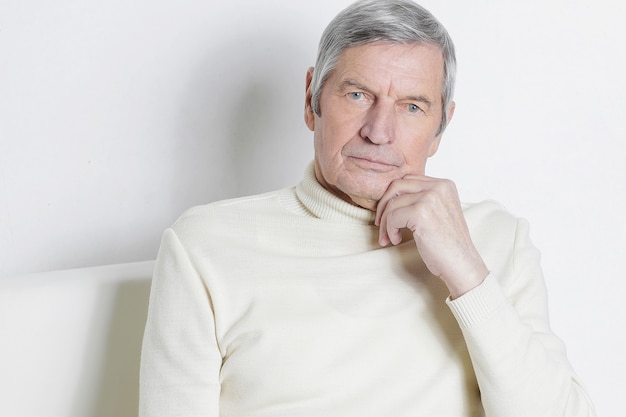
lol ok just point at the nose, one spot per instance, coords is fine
(379, 124)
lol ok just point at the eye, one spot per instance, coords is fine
(413, 108)
(356, 95)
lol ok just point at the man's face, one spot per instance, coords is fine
(380, 113)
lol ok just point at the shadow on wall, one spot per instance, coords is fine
(110, 386)
(241, 119)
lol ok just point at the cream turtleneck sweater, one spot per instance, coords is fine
(284, 305)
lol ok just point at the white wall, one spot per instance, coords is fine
(116, 116)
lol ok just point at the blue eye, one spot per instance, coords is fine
(413, 108)
(356, 95)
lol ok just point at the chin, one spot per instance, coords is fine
(366, 197)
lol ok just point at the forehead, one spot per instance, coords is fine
(403, 66)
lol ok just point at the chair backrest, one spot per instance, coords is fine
(70, 341)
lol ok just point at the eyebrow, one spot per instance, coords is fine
(351, 83)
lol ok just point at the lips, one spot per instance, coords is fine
(372, 164)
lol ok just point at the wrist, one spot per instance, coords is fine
(466, 282)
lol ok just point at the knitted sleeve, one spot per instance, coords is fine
(180, 359)
(520, 365)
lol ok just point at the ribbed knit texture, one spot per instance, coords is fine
(478, 304)
(324, 205)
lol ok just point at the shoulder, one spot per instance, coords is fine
(500, 236)
(239, 204)
(490, 223)
(226, 215)
(489, 215)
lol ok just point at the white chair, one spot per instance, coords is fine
(70, 341)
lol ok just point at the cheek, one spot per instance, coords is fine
(324, 153)
(416, 152)
(329, 139)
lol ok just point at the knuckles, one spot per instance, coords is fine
(423, 198)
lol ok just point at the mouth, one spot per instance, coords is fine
(372, 164)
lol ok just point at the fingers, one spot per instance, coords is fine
(402, 212)
(399, 202)
(413, 201)
(406, 185)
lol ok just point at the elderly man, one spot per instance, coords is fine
(368, 289)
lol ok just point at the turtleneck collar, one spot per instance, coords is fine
(325, 205)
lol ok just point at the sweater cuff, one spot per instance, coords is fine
(477, 304)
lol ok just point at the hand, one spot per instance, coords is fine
(431, 209)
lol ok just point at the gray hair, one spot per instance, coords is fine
(396, 21)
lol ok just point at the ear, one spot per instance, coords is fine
(309, 114)
(434, 145)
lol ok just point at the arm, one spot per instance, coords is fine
(520, 365)
(180, 359)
